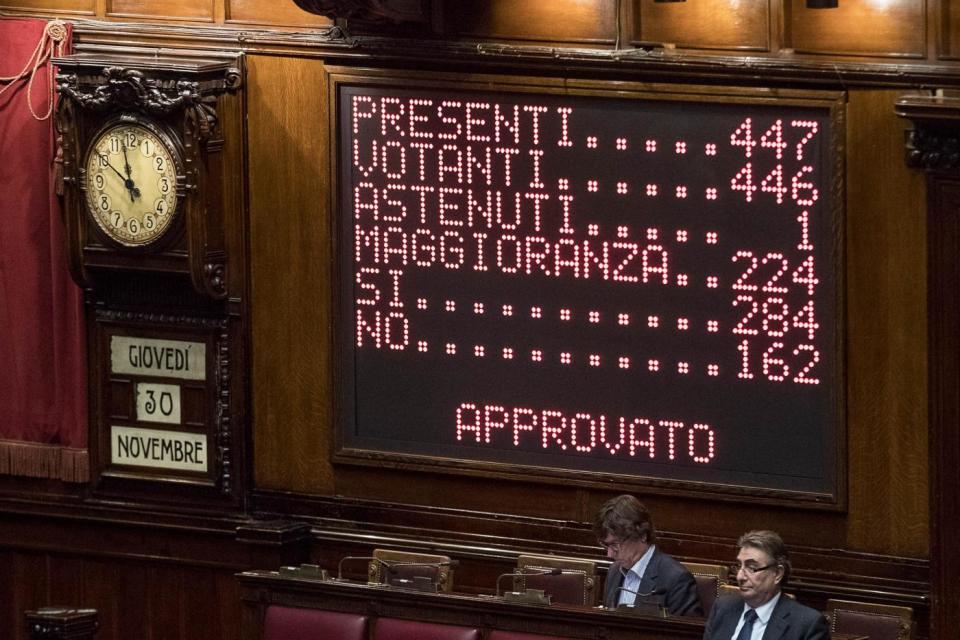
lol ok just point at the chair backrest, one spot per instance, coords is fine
(710, 580)
(395, 629)
(291, 623)
(878, 621)
(390, 567)
(576, 584)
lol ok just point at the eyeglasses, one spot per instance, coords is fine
(612, 546)
(751, 569)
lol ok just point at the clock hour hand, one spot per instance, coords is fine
(134, 191)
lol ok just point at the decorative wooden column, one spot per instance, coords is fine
(62, 623)
(933, 146)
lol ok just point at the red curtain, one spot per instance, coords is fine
(43, 407)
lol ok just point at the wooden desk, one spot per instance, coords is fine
(261, 589)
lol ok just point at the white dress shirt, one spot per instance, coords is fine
(764, 612)
(632, 577)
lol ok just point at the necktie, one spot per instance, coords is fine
(748, 619)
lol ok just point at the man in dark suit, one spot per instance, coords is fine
(763, 612)
(640, 570)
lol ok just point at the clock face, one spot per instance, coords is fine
(131, 183)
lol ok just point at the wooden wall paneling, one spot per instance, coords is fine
(168, 591)
(886, 335)
(161, 601)
(8, 612)
(30, 575)
(77, 7)
(162, 9)
(226, 615)
(284, 13)
(944, 217)
(935, 21)
(561, 21)
(886, 28)
(196, 585)
(101, 592)
(290, 274)
(146, 580)
(479, 494)
(742, 25)
(948, 33)
(131, 580)
(199, 589)
(66, 580)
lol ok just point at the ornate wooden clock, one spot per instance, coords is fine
(140, 141)
(133, 181)
(152, 154)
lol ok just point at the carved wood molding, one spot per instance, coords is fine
(933, 146)
(933, 143)
(220, 327)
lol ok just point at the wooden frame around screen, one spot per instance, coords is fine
(831, 101)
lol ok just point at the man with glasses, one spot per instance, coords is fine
(763, 612)
(640, 570)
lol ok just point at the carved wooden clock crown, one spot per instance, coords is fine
(178, 98)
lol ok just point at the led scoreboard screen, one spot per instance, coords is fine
(636, 288)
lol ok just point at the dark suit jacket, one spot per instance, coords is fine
(790, 621)
(663, 575)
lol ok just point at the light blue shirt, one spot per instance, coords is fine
(764, 612)
(632, 577)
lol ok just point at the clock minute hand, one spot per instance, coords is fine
(107, 161)
(126, 163)
(134, 192)
(127, 182)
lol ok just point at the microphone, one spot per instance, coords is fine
(524, 571)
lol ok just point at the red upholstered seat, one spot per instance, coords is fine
(289, 623)
(513, 635)
(393, 629)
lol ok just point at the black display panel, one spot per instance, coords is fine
(637, 288)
